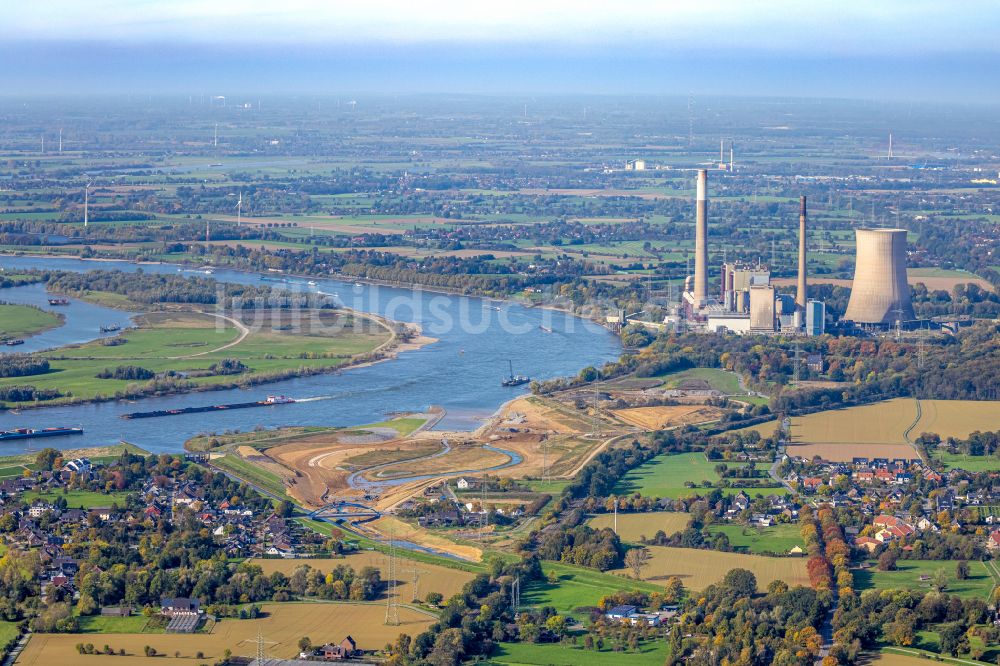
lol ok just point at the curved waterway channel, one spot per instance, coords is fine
(460, 372)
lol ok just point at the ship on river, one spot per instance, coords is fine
(513, 380)
(29, 433)
(269, 401)
(58, 301)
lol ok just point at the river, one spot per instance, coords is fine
(460, 372)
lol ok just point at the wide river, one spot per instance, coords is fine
(460, 372)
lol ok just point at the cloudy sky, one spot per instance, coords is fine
(916, 49)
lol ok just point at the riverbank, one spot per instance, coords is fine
(19, 321)
(340, 277)
(184, 350)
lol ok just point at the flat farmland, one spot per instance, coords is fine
(634, 526)
(881, 429)
(957, 418)
(698, 569)
(657, 418)
(908, 573)
(433, 577)
(666, 476)
(780, 538)
(282, 627)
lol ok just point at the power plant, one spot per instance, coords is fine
(880, 294)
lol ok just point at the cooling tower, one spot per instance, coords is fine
(800, 294)
(880, 294)
(700, 292)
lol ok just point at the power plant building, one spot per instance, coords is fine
(762, 311)
(815, 318)
(880, 293)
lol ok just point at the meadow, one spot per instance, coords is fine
(190, 343)
(907, 577)
(779, 538)
(968, 463)
(666, 475)
(650, 653)
(18, 321)
(281, 626)
(78, 499)
(697, 569)
(576, 587)
(634, 526)
(430, 577)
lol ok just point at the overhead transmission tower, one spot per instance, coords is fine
(391, 602)
(795, 369)
(416, 572)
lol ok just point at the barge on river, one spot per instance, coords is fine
(269, 401)
(29, 433)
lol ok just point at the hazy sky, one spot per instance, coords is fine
(888, 48)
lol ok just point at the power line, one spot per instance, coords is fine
(391, 602)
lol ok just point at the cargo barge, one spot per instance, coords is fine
(58, 301)
(269, 401)
(29, 433)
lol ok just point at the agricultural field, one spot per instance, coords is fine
(650, 653)
(134, 624)
(883, 429)
(19, 321)
(192, 342)
(779, 538)
(657, 418)
(957, 418)
(78, 499)
(431, 577)
(968, 463)
(281, 626)
(666, 475)
(634, 526)
(576, 587)
(907, 576)
(698, 569)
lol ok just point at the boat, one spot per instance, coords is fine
(311, 283)
(14, 342)
(29, 433)
(58, 301)
(358, 284)
(112, 328)
(267, 402)
(513, 380)
(545, 329)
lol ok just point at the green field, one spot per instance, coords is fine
(190, 343)
(650, 653)
(720, 380)
(780, 538)
(979, 584)
(79, 499)
(8, 632)
(134, 624)
(18, 321)
(968, 463)
(665, 476)
(577, 587)
(254, 474)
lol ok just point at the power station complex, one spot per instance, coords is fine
(745, 301)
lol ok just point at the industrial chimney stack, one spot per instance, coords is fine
(800, 294)
(700, 293)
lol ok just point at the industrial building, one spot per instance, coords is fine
(746, 301)
(880, 294)
(815, 317)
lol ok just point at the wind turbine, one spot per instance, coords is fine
(239, 210)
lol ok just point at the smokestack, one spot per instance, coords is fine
(701, 239)
(880, 293)
(800, 293)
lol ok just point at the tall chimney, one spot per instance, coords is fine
(701, 239)
(800, 293)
